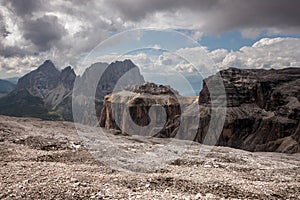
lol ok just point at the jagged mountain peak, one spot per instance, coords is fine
(48, 67)
(67, 77)
(127, 62)
(67, 72)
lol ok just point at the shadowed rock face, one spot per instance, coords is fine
(116, 77)
(262, 109)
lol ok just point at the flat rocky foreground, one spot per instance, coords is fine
(47, 160)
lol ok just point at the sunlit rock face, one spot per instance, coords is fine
(262, 109)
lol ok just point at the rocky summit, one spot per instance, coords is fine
(261, 111)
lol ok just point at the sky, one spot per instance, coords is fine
(232, 33)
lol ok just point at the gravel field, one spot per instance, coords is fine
(48, 160)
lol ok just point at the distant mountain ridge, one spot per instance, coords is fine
(13, 80)
(6, 86)
(48, 91)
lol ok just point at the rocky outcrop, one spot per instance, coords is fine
(147, 109)
(262, 109)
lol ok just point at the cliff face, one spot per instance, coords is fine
(262, 109)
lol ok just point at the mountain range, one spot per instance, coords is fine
(47, 92)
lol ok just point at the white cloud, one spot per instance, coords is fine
(266, 53)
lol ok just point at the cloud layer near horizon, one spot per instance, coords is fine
(34, 30)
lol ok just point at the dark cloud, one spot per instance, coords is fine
(44, 32)
(218, 15)
(235, 14)
(138, 9)
(25, 7)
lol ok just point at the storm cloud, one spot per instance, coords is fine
(26, 7)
